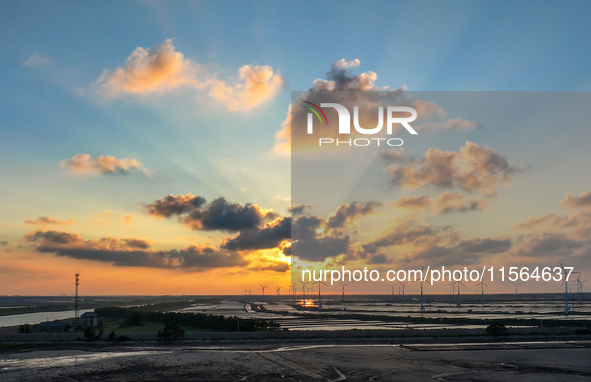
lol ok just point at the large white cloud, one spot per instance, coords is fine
(163, 68)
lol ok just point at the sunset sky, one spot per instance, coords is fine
(146, 144)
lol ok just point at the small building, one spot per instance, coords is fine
(86, 320)
(52, 326)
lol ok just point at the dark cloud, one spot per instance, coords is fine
(54, 237)
(451, 202)
(556, 245)
(346, 213)
(133, 252)
(137, 243)
(298, 209)
(402, 235)
(378, 259)
(175, 205)
(413, 202)
(270, 236)
(205, 258)
(338, 78)
(308, 245)
(3, 243)
(466, 252)
(473, 169)
(275, 266)
(219, 215)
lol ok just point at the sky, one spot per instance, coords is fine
(144, 144)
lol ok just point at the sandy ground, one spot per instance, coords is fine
(523, 362)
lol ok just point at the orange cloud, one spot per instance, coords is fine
(472, 169)
(42, 220)
(163, 68)
(413, 202)
(126, 219)
(452, 202)
(581, 201)
(146, 71)
(86, 164)
(260, 85)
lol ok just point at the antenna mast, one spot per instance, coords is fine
(76, 299)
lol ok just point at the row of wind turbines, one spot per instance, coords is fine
(292, 289)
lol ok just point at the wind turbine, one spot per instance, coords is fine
(245, 290)
(344, 285)
(263, 289)
(304, 292)
(580, 288)
(293, 290)
(574, 282)
(250, 292)
(422, 279)
(403, 284)
(459, 299)
(393, 286)
(453, 290)
(566, 308)
(278, 290)
(482, 285)
(319, 299)
(516, 289)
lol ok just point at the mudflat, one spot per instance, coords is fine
(306, 361)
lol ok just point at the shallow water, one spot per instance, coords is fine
(36, 318)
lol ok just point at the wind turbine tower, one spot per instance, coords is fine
(76, 308)
(393, 286)
(565, 282)
(319, 297)
(580, 288)
(403, 284)
(422, 279)
(459, 299)
(482, 285)
(343, 286)
(304, 292)
(453, 291)
(516, 289)
(263, 289)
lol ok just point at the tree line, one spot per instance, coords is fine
(197, 320)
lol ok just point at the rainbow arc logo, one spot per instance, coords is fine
(316, 112)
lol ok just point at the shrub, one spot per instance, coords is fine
(496, 329)
(171, 332)
(90, 334)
